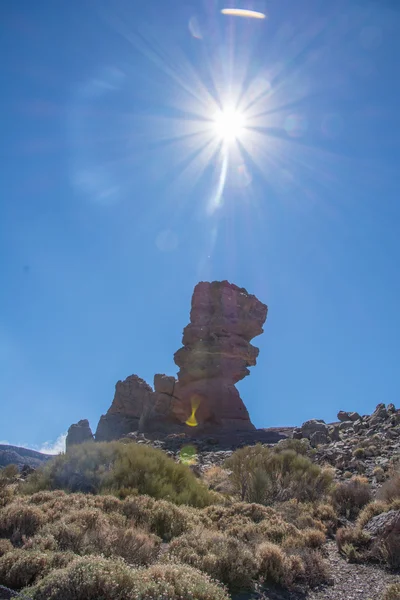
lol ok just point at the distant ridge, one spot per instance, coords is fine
(19, 456)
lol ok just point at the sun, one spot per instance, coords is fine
(229, 125)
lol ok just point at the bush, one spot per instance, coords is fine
(359, 453)
(390, 490)
(353, 536)
(272, 561)
(21, 568)
(371, 510)
(379, 474)
(220, 556)
(94, 578)
(10, 472)
(264, 476)
(120, 469)
(218, 479)
(351, 496)
(18, 519)
(5, 546)
(392, 592)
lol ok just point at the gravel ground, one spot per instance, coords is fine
(349, 582)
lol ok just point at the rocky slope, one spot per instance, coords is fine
(15, 455)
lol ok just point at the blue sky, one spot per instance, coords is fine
(117, 197)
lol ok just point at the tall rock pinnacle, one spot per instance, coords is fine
(216, 354)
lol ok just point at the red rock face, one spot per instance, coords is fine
(130, 399)
(216, 354)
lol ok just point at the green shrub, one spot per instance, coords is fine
(21, 568)
(221, 556)
(300, 446)
(120, 469)
(350, 497)
(264, 476)
(94, 578)
(359, 453)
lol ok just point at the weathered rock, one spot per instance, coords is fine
(377, 525)
(164, 384)
(334, 433)
(343, 416)
(312, 426)
(344, 425)
(297, 434)
(216, 354)
(132, 398)
(379, 414)
(78, 433)
(318, 438)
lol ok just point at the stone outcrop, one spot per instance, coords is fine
(132, 398)
(78, 433)
(216, 354)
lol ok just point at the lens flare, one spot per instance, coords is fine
(242, 12)
(192, 421)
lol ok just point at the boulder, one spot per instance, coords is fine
(312, 426)
(381, 523)
(78, 433)
(319, 437)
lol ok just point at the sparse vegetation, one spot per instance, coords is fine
(127, 522)
(262, 475)
(122, 470)
(350, 497)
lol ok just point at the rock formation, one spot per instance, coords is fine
(216, 354)
(131, 399)
(78, 433)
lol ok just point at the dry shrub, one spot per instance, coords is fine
(350, 497)
(41, 541)
(18, 519)
(272, 563)
(5, 546)
(93, 578)
(221, 556)
(239, 510)
(21, 568)
(161, 517)
(262, 475)
(371, 510)
(135, 546)
(392, 592)
(390, 490)
(352, 536)
(379, 474)
(216, 478)
(316, 569)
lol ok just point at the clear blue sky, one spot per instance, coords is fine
(114, 203)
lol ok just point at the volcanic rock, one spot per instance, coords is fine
(132, 398)
(216, 354)
(312, 426)
(78, 433)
